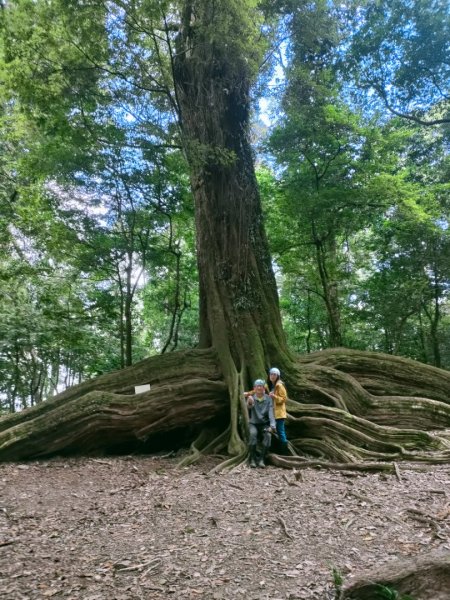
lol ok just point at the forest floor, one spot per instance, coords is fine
(134, 527)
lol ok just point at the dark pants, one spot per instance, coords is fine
(259, 433)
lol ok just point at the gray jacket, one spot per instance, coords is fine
(261, 413)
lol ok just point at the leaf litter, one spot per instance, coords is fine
(140, 527)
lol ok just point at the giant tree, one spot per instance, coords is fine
(197, 60)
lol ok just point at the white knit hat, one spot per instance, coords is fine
(275, 371)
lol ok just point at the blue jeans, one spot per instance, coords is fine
(281, 431)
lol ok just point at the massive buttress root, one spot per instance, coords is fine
(345, 406)
(350, 406)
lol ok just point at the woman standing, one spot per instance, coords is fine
(278, 394)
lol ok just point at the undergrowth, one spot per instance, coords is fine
(381, 592)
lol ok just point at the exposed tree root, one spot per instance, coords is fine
(384, 374)
(231, 463)
(109, 423)
(340, 436)
(423, 577)
(205, 445)
(297, 462)
(163, 370)
(334, 416)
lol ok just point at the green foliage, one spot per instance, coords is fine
(357, 212)
(48, 68)
(338, 581)
(398, 56)
(385, 592)
(390, 254)
(380, 592)
(51, 330)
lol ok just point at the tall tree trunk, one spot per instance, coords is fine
(128, 316)
(239, 313)
(435, 320)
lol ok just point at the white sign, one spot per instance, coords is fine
(140, 389)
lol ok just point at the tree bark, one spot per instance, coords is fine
(239, 312)
(237, 285)
(332, 414)
(105, 415)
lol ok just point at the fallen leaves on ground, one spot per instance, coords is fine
(140, 527)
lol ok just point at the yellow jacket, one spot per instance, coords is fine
(279, 400)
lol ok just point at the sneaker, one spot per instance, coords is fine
(261, 464)
(253, 463)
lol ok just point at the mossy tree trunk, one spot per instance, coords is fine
(239, 312)
(346, 406)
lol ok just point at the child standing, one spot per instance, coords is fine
(278, 394)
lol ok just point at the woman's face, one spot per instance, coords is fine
(273, 377)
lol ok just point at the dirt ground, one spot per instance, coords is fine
(141, 528)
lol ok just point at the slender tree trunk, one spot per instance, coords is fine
(122, 325)
(35, 379)
(53, 379)
(128, 314)
(436, 318)
(329, 288)
(16, 383)
(11, 400)
(308, 320)
(40, 395)
(173, 329)
(423, 345)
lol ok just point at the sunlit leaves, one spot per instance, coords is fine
(398, 55)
